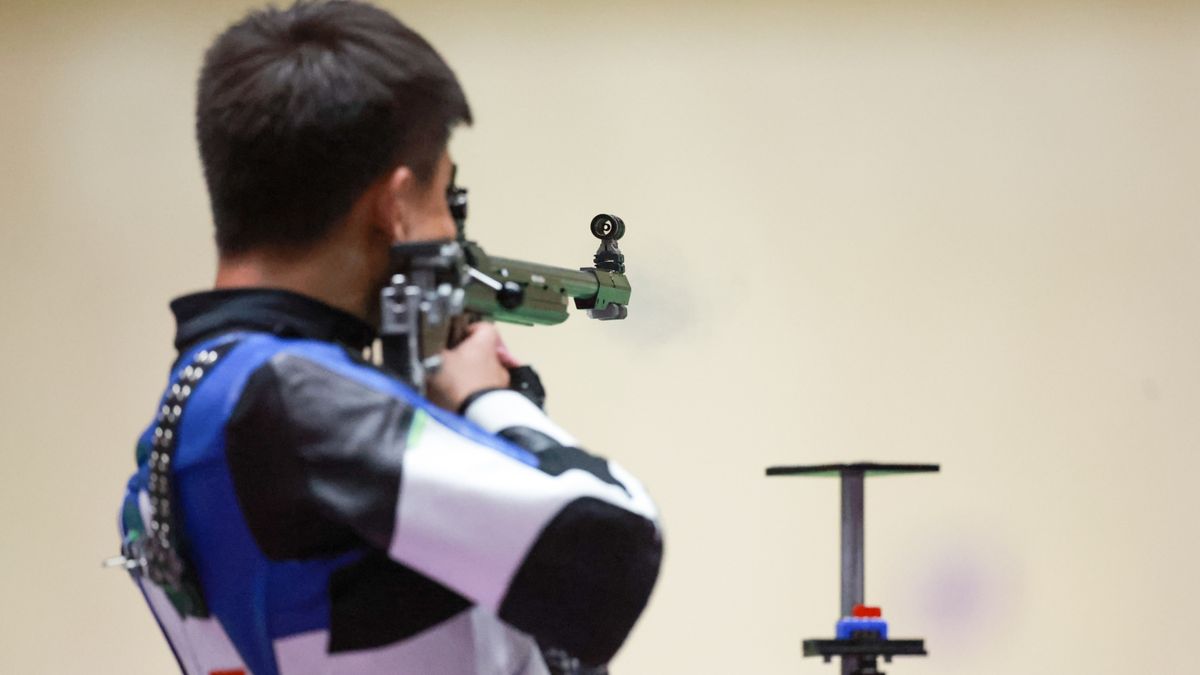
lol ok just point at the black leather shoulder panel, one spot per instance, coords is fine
(315, 458)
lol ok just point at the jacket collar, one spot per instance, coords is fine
(284, 313)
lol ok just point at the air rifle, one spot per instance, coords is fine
(438, 288)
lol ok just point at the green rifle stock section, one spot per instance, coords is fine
(546, 289)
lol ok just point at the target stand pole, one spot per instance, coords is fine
(858, 649)
(853, 572)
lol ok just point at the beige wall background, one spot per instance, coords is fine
(964, 233)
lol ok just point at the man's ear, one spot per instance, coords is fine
(392, 204)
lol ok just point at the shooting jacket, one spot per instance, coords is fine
(339, 523)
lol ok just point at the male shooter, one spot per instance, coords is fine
(297, 509)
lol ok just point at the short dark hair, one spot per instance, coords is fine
(299, 110)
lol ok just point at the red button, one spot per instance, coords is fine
(864, 611)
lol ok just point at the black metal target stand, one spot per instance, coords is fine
(862, 633)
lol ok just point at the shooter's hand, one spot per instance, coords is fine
(479, 362)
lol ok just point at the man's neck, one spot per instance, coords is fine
(335, 276)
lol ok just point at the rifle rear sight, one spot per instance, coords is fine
(608, 229)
